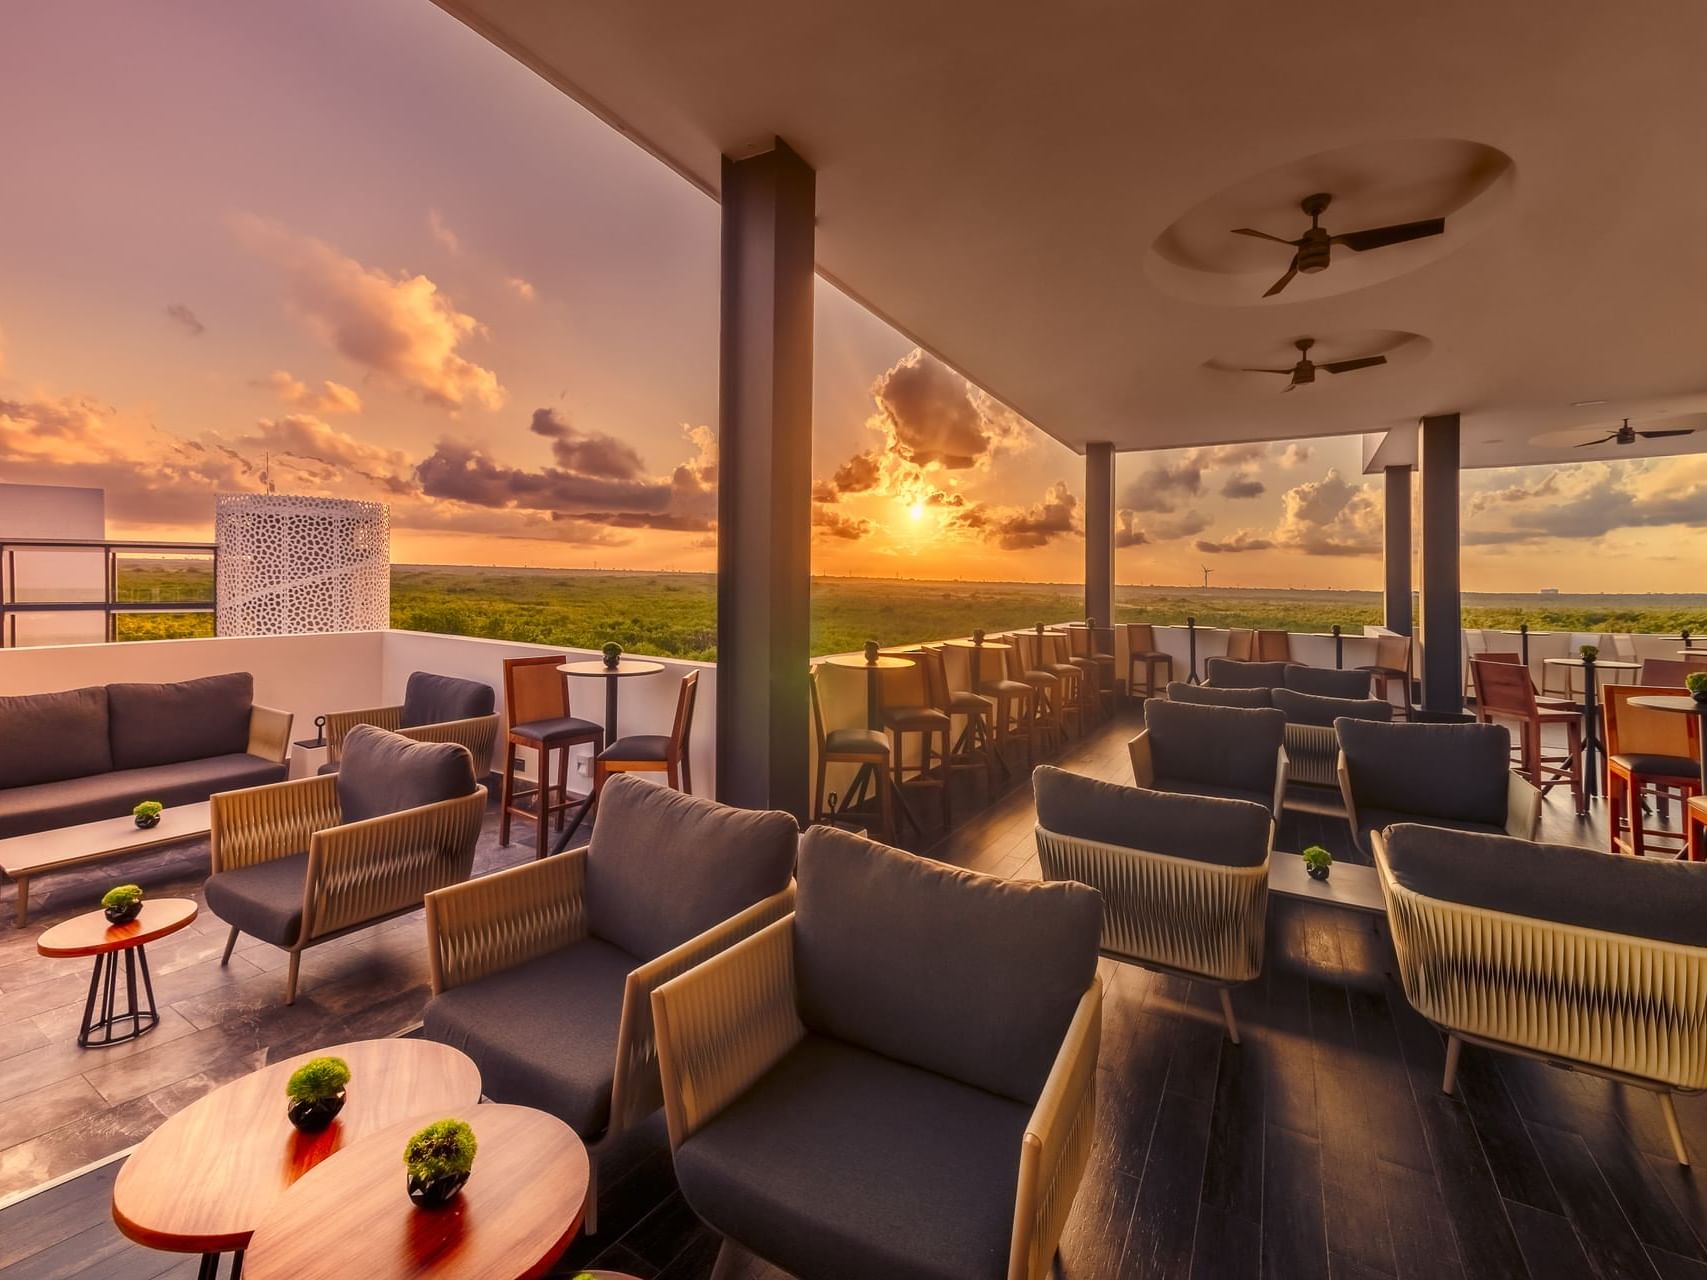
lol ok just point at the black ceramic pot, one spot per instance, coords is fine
(435, 1193)
(311, 1115)
(1700, 697)
(1316, 873)
(124, 914)
(146, 821)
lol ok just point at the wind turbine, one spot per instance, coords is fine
(1206, 572)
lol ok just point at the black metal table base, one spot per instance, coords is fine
(209, 1269)
(137, 1019)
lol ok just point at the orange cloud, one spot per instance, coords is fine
(333, 397)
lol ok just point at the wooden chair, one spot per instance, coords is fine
(975, 749)
(1392, 663)
(1141, 648)
(906, 706)
(1505, 692)
(1273, 646)
(1073, 644)
(1695, 823)
(852, 746)
(1644, 749)
(651, 752)
(1512, 658)
(536, 705)
(1050, 690)
(1085, 643)
(1011, 698)
(1670, 672)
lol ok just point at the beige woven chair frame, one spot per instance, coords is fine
(725, 1023)
(478, 733)
(1627, 1008)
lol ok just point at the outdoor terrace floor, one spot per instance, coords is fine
(1321, 1146)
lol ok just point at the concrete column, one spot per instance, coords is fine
(764, 478)
(1442, 630)
(1396, 600)
(1099, 532)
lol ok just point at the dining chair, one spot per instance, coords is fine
(1670, 672)
(1273, 646)
(654, 752)
(1392, 664)
(1506, 693)
(857, 746)
(1645, 749)
(536, 707)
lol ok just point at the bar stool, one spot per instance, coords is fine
(864, 747)
(1644, 749)
(1392, 663)
(906, 706)
(1141, 647)
(1085, 641)
(1695, 822)
(654, 753)
(1049, 693)
(1012, 698)
(976, 746)
(536, 707)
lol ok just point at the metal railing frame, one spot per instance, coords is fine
(110, 606)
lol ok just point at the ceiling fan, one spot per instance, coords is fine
(1304, 372)
(1626, 435)
(1313, 250)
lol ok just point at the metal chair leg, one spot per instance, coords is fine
(1227, 1013)
(1668, 1109)
(1454, 1046)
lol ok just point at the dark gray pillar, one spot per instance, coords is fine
(1396, 603)
(1099, 532)
(764, 481)
(1442, 626)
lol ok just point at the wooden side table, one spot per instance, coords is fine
(91, 934)
(352, 1216)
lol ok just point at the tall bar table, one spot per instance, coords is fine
(861, 791)
(1682, 704)
(626, 669)
(1591, 712)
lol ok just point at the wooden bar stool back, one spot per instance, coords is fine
(975, 748)
(907, 707)
(654, 753)
(1274, 646)
(1052, 653)
(1392, 664)
(1049, 690)
(1645, 750)
(1012, 699)
(1141, 649)
(1505, 693)
(856, 747)
(536, 710)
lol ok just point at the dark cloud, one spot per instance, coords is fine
(184, 318)
(1132, 529)
(932, 414)
(464, 473)
(1244, 540)
(1243, 486)
(1162, 486)
(673, 522)
(833, 524)
(1127, 532)
(588, 453)
(858, 474)
(1024, 528)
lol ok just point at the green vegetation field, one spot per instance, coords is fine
(675, 614)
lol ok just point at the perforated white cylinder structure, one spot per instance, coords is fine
(289, 565)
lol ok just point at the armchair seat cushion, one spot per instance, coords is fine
(1178, 825)
(543, 1033)
(557, 727)
(865, 742)
(841, 1164)
(263, 900)
(638, 746)
(431, 699)
(113, 795)
(1658, 766)
(1373, 820)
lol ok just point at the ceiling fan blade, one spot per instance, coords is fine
(1380, 237)
(1261, 235)
(1661, 435)
(1589, 444)
(1284, 280)
(1345, 366)
(1287, 372)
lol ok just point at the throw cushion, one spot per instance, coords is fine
(1642, 897)
(1223, 746)
(384, 772)
(187, 720)
(1230, 833)
(1326, 682)
(49, 737)
(1208, 695)
(431, 699)
(664, 867)
(1236, 673)
(970, 976)
(1310, 708)
(1428, 770)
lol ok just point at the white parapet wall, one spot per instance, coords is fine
(290, 565)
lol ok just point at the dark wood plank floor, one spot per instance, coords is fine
(1322, 1146)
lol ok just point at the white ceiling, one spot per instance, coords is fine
(1026, 189)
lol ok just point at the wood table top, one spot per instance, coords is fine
(1611, 664)
(976, 644)
(66, 846)
(856, 661)
(352, 1216)
(1669, 702)
(202, 1181)
(627, 667)
(91, 933)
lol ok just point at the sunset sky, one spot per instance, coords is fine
(355, 250)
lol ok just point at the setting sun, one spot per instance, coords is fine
(916, 511)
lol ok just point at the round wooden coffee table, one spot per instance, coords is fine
(202, 1181)
(352, 1216)
(91, 934)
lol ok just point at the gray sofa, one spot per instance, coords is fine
(85, 754)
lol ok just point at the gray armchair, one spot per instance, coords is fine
(543, 973)
(1184, 879)
(1235, 753)
(898, 1079)
(434, 709)
(1457, 776)
(1312, 742)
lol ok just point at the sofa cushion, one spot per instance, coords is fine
(1455, 771)
(1643, 897)
(1325, 682)
(263, 900)
(1370, 821)
(1310, 708)
(543, 1033)
(113, 795)
(843, 1165)
(663, 867)
(1229, 833)
(431, 699)
(1209, 695)
(967, 975)
(1222, 746)
(383, 772)
(1237, 673)
(185, 720)
(48, 737)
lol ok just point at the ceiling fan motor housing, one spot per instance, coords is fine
(1314, 251)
